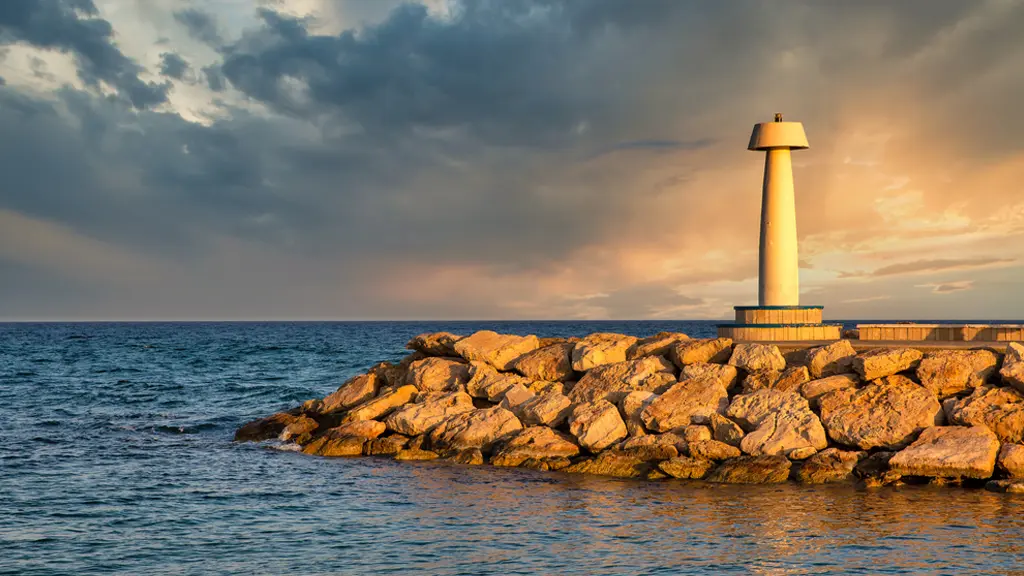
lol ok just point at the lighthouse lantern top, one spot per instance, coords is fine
(778, 134)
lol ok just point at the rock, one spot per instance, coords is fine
(851, 334)
(596, 425)
(416, 419)
(1007, 486)
(549, 409)
(632, 405)
(540, 387)
(749, 410)
(725, 430)
(835, 358)
(390, 375)
(831, 465)
(499, 350)
(265, 428)
(411, 454)
(550, 363)
(612, 463)
(702, 350)
(752, 470)
(874, 465)
(713, 450)
(726, 376)
(469, 457)
(688, 402)
(600, 348)
(486, 382)
(778, 423)
(697, 432)
(353, 392)
(814, 390)
(1012, 371)
(887, 413)
(546, 464)
(789, 379)
(300, 426)
(480, 428)
(437, 374)
(536, 442)
(949, 451)
(613, 381)
(651, 448)
(753, 357)
(382, 405)
(346, 439)
(1011, 460)
(660, 344)
(515, 397)
(386, 445)
(882, 362)
(684, 467)
(953, 372)
(1001, 409)
(435, 344)
(801, 453)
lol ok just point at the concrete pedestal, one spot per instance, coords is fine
(779, 323)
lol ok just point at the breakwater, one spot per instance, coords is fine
(669, 406)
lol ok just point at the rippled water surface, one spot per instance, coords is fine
(116, 458)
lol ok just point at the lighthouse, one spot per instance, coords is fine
(778, 315)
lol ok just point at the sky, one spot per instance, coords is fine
(503, 159)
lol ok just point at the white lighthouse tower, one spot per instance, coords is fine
(778, 315)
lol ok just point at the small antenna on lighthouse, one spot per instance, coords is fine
(778, 116)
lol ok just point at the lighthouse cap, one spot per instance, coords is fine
(778, 134)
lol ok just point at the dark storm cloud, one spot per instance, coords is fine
(173, 66)
(214, 78)
(201, 25)
(74, 26)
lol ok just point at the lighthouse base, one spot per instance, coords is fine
(775, 323)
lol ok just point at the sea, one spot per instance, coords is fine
(116, 457)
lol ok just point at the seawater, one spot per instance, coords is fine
(116, 457)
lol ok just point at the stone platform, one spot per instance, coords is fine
(779, 323)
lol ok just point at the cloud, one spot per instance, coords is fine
(173, 66)
(74, 26)
(931, 266)
(866, 299)
(201, 25)
(949, 287)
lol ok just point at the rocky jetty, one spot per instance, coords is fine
(672, 407)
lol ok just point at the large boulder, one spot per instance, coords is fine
(632, 405)
(751, 470)
(613, 381)
(353, 392)
(689, 402)
(265, 428)
(754, 357)
(712, 450)
(480, 428)
(955, 372)
(660, 344)
(382, 405)
(391, 375)
(835, 358)
(1012, 371)
(486, 382)
(1011, 460)
(436, 374)
(703, 350)
(882, 362)
(300, 429)
(420, 418)
(345, 440)
(613, 463)
(887, 413)
(949, 452)
(550, 409)
(498, 350)
(779, 423)
(536, 442)
(551, 363)
(596, 425)
(652, 447)
(685, 467)
(1001, 409)
(435, 343)
(726, 376)
(515, 397)
(385, 445)
(725, 430)
(814, 390)
(600, 348)
(789, 379)
(830, 465)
